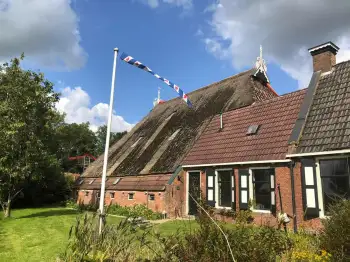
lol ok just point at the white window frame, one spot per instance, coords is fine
(187, 186)
(251, 188)
(216, 197)
(133, 196)
(319, 181)
(149, 197)
(111, 193)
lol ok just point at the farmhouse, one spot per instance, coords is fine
(241, 146)
(144, 167)
(289, 154)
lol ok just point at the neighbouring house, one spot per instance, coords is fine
(144, 167)
(298, 143)
(321, 139)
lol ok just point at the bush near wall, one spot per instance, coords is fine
(336, 234)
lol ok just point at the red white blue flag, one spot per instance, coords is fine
(132, 61)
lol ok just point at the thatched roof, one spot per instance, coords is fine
(159, 142)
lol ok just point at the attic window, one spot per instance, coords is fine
(91, 181)
(252, 129)
(81, 181)
(116, 181)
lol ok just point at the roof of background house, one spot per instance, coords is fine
(327, 126)
(275, 117)
(159, 142)
(138, 183)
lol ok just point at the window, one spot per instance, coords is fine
(262, 188)
(86, 193)
(111, 195)
(131, 196)
(91, 181)
(151, 197)
(335, 180)
(224, 188)
(81, 181)
(98, 194)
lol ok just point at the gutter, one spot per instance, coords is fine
(240, 163)
(334, 152)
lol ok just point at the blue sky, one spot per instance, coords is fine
(189, 42)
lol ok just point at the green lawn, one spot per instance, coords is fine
(40, 234)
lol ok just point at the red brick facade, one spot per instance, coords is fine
(283, 178)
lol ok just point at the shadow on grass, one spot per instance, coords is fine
(49, 213)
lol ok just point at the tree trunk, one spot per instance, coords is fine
(8, 209)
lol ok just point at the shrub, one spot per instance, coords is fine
(336, 234)
(248, 243)
(115, 243)
(134, 211)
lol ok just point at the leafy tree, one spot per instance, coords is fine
(74, 140)
(28, 120)
(101, 138)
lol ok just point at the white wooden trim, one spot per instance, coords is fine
(240, 163)
(251, 190)
(319, 182)
(187, 186)
(343, 151)
(217, 187)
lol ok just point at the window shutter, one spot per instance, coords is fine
(243, 188)
(233, 185)
(210, 172)
(309, 186)
(273, 191)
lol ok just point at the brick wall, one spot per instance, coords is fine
(282, 177)
(324, 61)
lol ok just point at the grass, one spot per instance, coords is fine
(40, 234)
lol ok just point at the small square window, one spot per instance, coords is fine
(86, 193)
(111, 195)
(131, 196)
(151, 197)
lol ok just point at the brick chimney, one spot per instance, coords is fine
(324, 56)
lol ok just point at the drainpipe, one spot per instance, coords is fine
(291, 167)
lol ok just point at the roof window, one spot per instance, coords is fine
(252, 129)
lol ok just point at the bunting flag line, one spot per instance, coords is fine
(132, 61)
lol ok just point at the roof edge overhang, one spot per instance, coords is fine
(323, 153)
(240, 163)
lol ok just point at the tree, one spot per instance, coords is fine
(28, 120)
(101, 138)
(74, 140)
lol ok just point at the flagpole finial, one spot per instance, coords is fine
(116, 49)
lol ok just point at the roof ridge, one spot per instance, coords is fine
(343, 62)
(265, 101)
(207, 86)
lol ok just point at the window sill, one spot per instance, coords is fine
(261, 211)
(219, 207)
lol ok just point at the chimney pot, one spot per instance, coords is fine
(324, 56)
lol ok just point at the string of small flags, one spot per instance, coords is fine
(132, 61)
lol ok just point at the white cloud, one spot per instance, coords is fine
(284, 28)
(186, 4)
(46, 31)
(75, 103)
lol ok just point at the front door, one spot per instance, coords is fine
(193, 191)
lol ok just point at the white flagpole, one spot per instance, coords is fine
(105, 159)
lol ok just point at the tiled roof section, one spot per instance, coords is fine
(327, 126)
(275, 117)
(154, 152)
(129, 183)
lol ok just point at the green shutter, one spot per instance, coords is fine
(273, 191)
(309, 186)
(210, 174)
(233, 192)
(243, 188)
